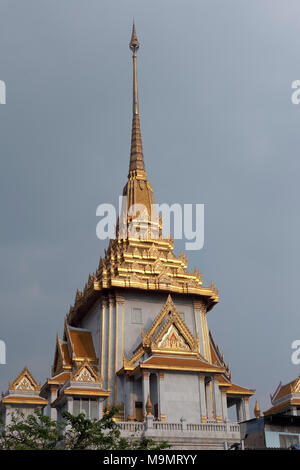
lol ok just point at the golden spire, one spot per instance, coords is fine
(256, 410)
(136, 153)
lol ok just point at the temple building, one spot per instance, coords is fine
(279, 427)
(286, 399)
(137, 335)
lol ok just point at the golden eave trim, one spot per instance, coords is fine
(171, 352)
(27, 400)
(249, 392)
(98, 393)
(192, 369)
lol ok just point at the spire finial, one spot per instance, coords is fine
(136, 154)
(149, 406)
(257, 410)
(134, 43)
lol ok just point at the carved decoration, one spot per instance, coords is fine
(24, 381)
(85, 376)
(86, 373)
(24, 384)
(173, 340)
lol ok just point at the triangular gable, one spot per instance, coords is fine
(168, 333)
(24, 382)
(296, 385)
(86, 373)
(174, 337)
(172, 340)
(285, 390)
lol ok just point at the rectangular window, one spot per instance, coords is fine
(287, 440)
(136, 316)
(94, 409)
(87, 406)
(76, 406)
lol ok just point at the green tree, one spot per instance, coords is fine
(37, 432)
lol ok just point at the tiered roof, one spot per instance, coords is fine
(285, 396)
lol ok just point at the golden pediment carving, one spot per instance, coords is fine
(85, 376)
(24, 381)
(296, 386)
(24, 384)
(85, 373)
(172, 340)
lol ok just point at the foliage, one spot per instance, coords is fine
(35, 432)
(38, 432)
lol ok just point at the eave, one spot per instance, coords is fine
(27, 400)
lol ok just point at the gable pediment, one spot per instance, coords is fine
(85, 373)
(172, 340)
(24, 382)
(167, 334)
(296, 385)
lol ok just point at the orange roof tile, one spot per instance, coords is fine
(66, 355)
(214, 358)
(82, 343)
(285, 390)
(223, 382)
(59, 378)
(281, 406)
(237, 389)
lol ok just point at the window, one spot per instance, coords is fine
(136, 315)
(87, 406)
(287, 440)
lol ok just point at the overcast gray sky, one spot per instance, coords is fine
(218, 128)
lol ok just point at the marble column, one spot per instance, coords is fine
(161, 402)
(240, 410)
(217, 400)
(203, 412)
(146, 389)
(111, 350)
(129, 411)
(53, 396)
(224, 405)
(246, 412)
(119, 348)
(209, 399)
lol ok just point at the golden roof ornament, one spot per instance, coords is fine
(136, 154)
(134, 43)
(256, 410)
(149, 406)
